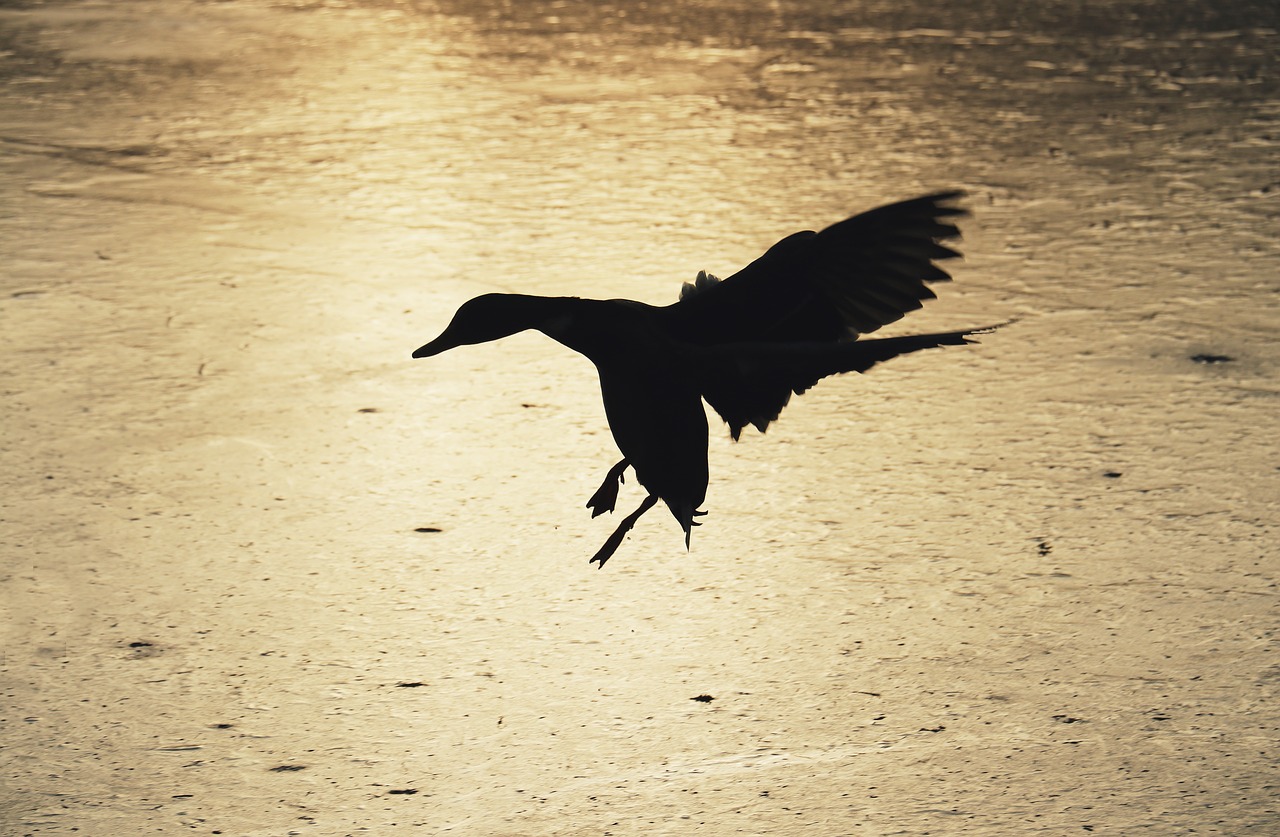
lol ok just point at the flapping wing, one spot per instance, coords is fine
(753, 382)
(852, 278)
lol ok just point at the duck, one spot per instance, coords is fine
(745, 344)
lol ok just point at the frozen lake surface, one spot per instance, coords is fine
(263, 574)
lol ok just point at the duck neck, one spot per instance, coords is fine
(587, 326)
(590, 327)
(552, 315)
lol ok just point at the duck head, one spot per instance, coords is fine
(489, 317)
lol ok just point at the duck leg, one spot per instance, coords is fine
(606, 496)
(615, 540)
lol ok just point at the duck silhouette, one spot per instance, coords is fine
(745, 344)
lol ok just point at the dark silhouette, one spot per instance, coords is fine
(745, 344)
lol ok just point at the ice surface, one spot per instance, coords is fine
(1023, 586)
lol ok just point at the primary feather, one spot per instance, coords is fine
(815, 288)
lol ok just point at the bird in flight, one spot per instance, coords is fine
(745, 344)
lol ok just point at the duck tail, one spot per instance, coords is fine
(684, 513)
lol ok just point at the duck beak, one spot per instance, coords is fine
(431, 349)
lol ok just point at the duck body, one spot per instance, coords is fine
(654, 407)
(745, 344)
(649, 381)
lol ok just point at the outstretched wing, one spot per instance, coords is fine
(852, 278)
(754, 381)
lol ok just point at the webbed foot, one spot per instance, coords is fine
(606, 496)
(615, 540)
